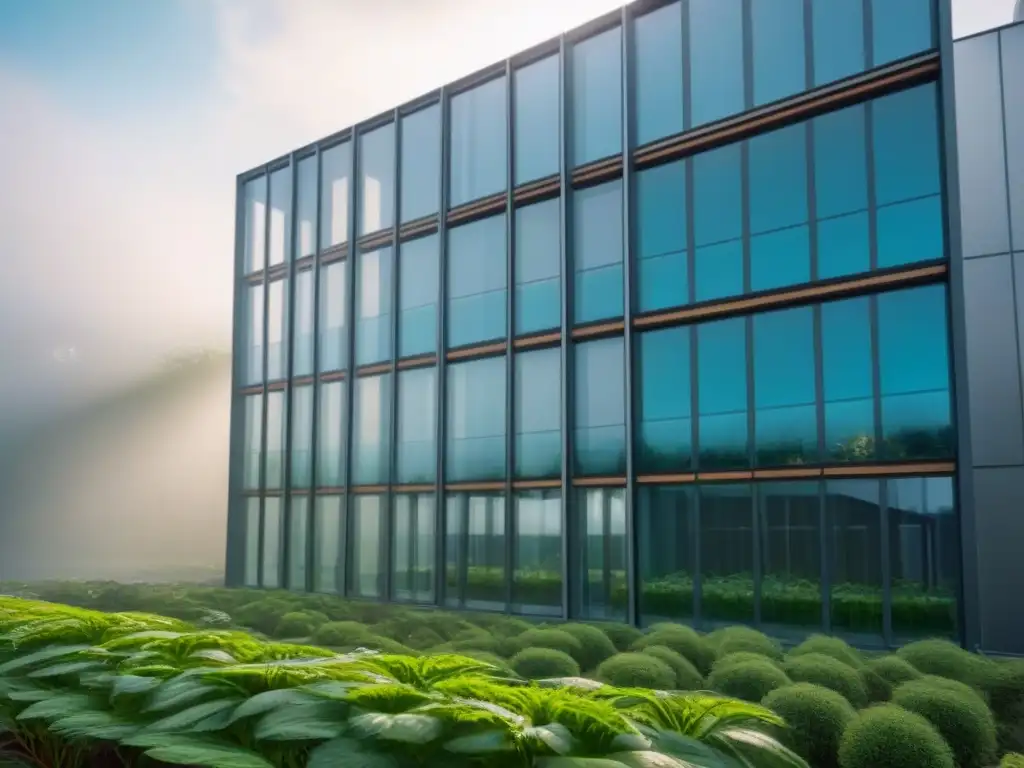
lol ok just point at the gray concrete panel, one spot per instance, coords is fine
(999, 496)
(1013, 107)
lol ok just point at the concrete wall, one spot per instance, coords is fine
(989, 88)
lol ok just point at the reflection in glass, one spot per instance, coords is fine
(277, 334)
(853, 517)
(302, 355)
(376, 202)
(417, 300)
(412, 554)
(371, 425)
(335, 173)
(537, 96)
(664, 416)
(716, 59)
(718, 222)
(598, 580)
(254, 240)
(778, 49)
(726, 554)
(477, 281)
(366, 555)
(273, 541)
(901, 29)
(789, 528)
(333, 342)
(538, 414)
(279, 246)
(661, 237)
(722, 394)
(253, 442)
(305, 208)
(597, 97)
(421, 163)
(252, 541)
(475, 567)
(659, 73)
(302, 436)
(665, 519)
(599, 425)
(252, 371)
(297, 541)
(373, 306)
(537, 578)
(538, 267)
(847, 371)
(417, 403)
(597, 245)
(479, 138)
(330, 435)
(273, 476)
(838, 40)
(328, 573)
(475, 434)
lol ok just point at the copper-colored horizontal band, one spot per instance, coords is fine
(477, 351)
(598, 330)
(422, 226)
(422, 361)
(725, 477)
(684, 477)
(802, 107)
(802, 473)
(788, 473)
(603, 482)
(837, 288)
(602, 171)
(253, 389)
(300, 491)
(528, 342)
(537, 190)
(330, 490)
(527, 485)
(375, 240)
(363, 489)
(333, 376)
(477, 208)
(924, 468)
(301, 381)
(373, 370)
(461, 487)
(413, 488)
(277, 386)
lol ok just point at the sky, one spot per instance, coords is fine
(123, 124)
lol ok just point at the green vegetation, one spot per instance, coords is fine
(816, 718)
(542, 663)
(889, 736)
(835, 647)
(637, 670)
(687, 676)
(684, 641)
(747, 680)
(827, 672)
(733, 639)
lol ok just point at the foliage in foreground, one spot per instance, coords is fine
(82, 688)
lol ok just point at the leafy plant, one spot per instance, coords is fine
(815, 718)
(747, 680)
(888, 736)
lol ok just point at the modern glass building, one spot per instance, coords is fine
(658, 320)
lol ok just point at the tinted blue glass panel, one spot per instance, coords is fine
(722, 394)
(333, 317)
(840, 162)
(371, 423)
(838, 39)
(376, 201)
(785, 418)
(275, 458)
(417, 403)
(716, 59)
(302, 436)
(780, 258)
(659, 73)
(844, 246)
(597, 230)
(538, 419)
(717, 195)
(538, 267)
(909, 232)
(366, 546)
(476, 420)
(598, 558)
(279, 236)
(718, 270)
(778, 179)
(421, 163)
(277, 330)
(252, 360)
(537, 96)
(417, 299)
(905, 127)
(778, 34)
(662, 279)
(254, 242)
(331, 434)
(305, 208)
(664, 431)
(253, 442)
(477, 277)
(847, 378)
(596, 97)
(901, 29)
(479, 138)
(599, 426)
(335, 185)
(302, 354)
(913, 360)
(373, 306)
(727, 553)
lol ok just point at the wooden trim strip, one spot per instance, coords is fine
(925, 468)
(528, 485)
(477, 209)
(374, 241)
(787, 473)
(366, 489)
(302, 381)
(331, 490)
(414, 488)
(371, 370)
(537, 190)
(529, 342)
(277, 386)
(300, 491)
(685, 477)
(597, 173)
(425, 226)
(465, 487)
(592, 482)
(588, 331)
(755, 303)
(803, 473)
(423, 361)
(333, 376)
(725, 477)
(480, 350)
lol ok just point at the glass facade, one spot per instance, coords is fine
(556, 353)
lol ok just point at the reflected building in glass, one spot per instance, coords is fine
(660, 320)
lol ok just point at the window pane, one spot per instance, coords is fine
(659, 73)
(854, 524)
(305, 208)
(373, 306)
(276, 422)
(252, 542)
(254, 202)
(476, 420)
(371, 423)
(847, 365)
(302, 436)
(477, 281)
(253, 348)
(905, 128)
(302, 355)
(537, 578)
(297, 541)
(665, 433)
(726, 554)
(778, 41)
(479, 135)
(913, 359)
(329, 574)
(538, 414)
(366, 578)
(335, 172)
(597, 97)
(665, 528)
(417, 404)
(838, 39)
(279, 245)
(537, 95)
(598, 578)
(417, 286)
(597, 229)
(716, 59)
(785, 416)
(377, 179)
(924, 553)
(722, 394)
(253, 442)
(277, 334)
(333, 338)
(910, 232)
(790, 548)
(661, 237)
(412, 554)
(538, 267)
(273, 540)
(840, 166)
(331, 435)
(901, 29)
(475, 567)
(420, 186)
(718, 223)
(600, 408)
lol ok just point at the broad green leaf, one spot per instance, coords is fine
(12, 760)
(554, 736)
(129, 684)
(33, 694)
(103, 726)
(215, 722)
(305, 722)
(406, 728)
(45, 654)
(757, 749)
(581, 683)
(185, 719)
(214, 654)
(631, 742)
(348, 753)
(266, 701)
(61, 705)
(338, 690)
(67, 668)
(179, 692)
(692, 750)
(647, 759)
(185, 750)
(481, 743)
(579, 762)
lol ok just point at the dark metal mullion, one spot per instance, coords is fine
(350, 358)
(388, 521)
(441, 385)
(808, 44)
(883, 507)
(510, 307)
(868, 31)
(758, 506)
(825, 546)
(748, 335)
(314, 432)
(289, 296)
(263, 377)
(237, 545)
(568, 501)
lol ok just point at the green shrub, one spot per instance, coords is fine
(816, 718)
(683, 640)
(957, 712)
(825, 671)
(505, 626)
(263, 615)
(878, 688)
(889, 736)
(946, 659)
(469, 641)
(687, 676)
(747, 680)
(738, 657)
(829, 646)
(622, 635)
(555, 639)
(341, 634)
(1005, 688)
(637, 670)
(421, 638)
(732, 639)
(539, 663)
(296, 624)
(595, 646)
(488, 658)
(893, 669)
(1012, 760)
